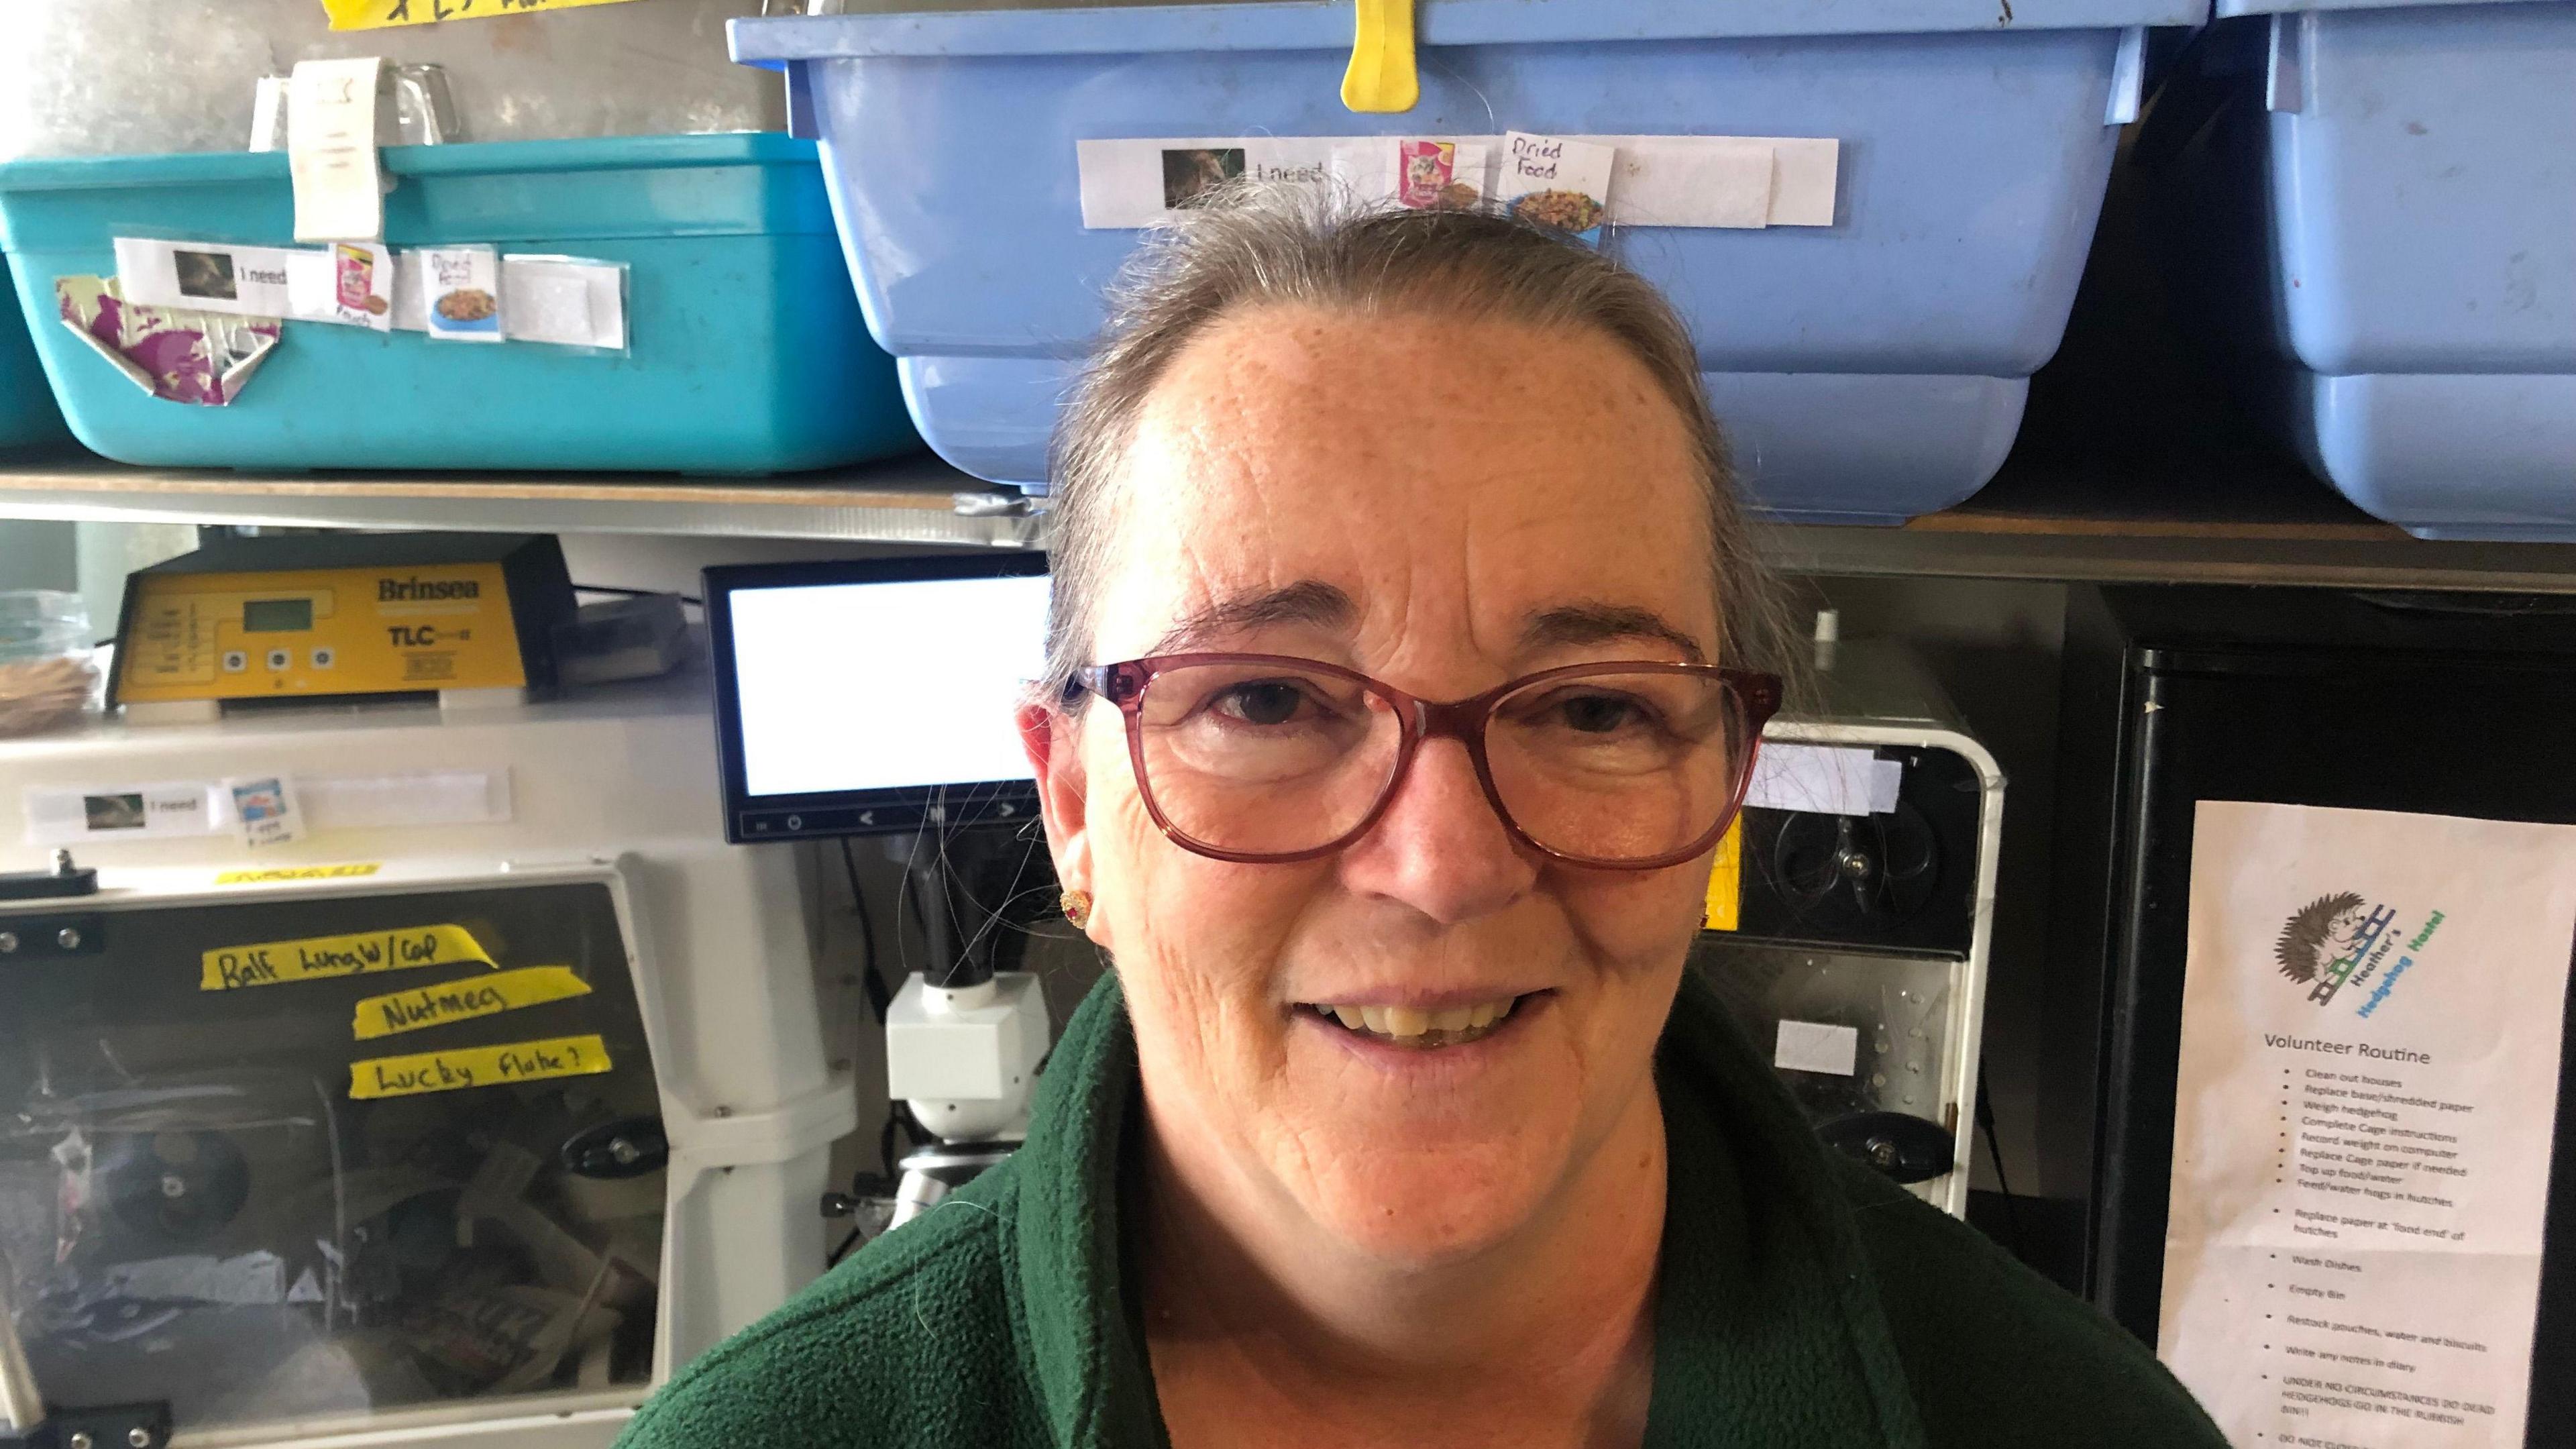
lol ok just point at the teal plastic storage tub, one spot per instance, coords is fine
(27, 413)
(746, 351)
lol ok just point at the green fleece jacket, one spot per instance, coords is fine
(1801, 1300)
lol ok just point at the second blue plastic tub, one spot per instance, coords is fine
(1868, 370)
(27, 413)
(2377, 211)
(747, 353)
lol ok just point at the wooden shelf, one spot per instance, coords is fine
(917, 500)
(2230, 520)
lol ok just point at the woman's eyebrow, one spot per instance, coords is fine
(1308, 601)
(1601, 623)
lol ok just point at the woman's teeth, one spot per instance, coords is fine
(1408, 1026)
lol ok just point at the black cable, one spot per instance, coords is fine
(1995, 1151)
(879, 999)
(833, 1258)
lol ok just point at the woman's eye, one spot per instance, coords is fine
(1598, 713)
(1261, 703)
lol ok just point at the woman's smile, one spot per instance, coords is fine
(1424, 1026)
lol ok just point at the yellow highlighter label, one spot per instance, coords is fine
(1726, 880)
(427, 1006)
(320, 958)
(295, 872)
(466, 1068)
(385, 14)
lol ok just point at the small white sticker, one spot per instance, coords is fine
(1823, 780)
(265, 809)
(1816, 1046)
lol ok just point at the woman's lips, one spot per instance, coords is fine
(1454, 1023)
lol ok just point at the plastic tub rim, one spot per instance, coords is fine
(1326, 25)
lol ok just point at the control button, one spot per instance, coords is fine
(324, 658)
(235, 661)
(278, 660)
(795, 822)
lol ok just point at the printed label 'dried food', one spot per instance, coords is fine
(1553, 182)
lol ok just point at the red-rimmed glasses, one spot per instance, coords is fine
(1267, 758)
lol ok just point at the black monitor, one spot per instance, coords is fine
(874, 696)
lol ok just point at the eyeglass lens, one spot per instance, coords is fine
(1267, 759)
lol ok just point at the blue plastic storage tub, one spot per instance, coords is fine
(1869, 370)
(27, 412)
(746, 351)
(2381, 216)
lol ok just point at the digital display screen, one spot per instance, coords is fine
(276, 616)
(901, 683)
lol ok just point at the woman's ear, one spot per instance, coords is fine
(1052, 740)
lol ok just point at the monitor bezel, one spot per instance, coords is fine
(752, 819)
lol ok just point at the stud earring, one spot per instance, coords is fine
(1077, 908)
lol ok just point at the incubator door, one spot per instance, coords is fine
(311, 1159)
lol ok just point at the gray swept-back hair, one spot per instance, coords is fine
(1252, 246)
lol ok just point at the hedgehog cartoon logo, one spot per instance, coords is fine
(2324, 941)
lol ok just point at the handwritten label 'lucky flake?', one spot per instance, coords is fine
(427, 1006)
(383, 14)
(321, 958)
(469, 1067)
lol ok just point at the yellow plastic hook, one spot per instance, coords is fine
(1382, 77)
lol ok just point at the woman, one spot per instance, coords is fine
(1398, 1122)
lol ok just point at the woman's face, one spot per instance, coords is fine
(1443, 504)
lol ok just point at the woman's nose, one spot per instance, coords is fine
(1440, 848)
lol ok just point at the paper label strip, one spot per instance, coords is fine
(427, 1006)
(1671, 181)
(322, 958)
(466, 1068)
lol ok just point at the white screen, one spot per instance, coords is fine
(885, 685)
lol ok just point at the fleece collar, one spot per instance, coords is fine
(1768, 1329)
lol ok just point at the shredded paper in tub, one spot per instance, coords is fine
(1677, 181)
(180, 354)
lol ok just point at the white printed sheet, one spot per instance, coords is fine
(2363, 1123)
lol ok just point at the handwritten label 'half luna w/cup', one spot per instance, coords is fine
(322, 958)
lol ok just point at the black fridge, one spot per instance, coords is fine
(2441, 704)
